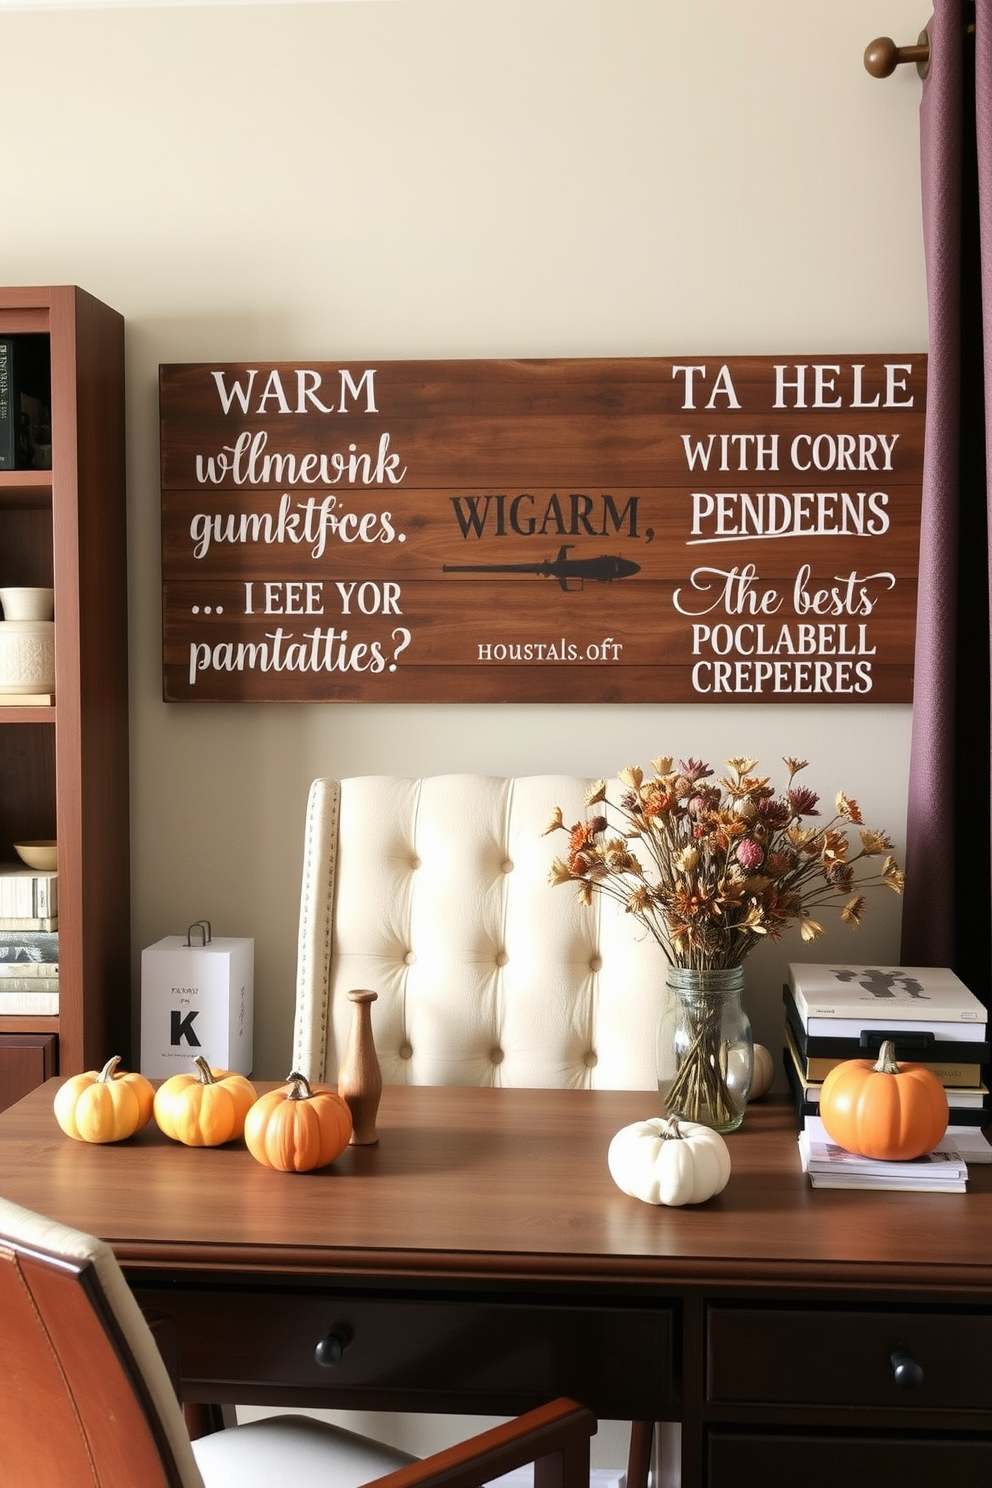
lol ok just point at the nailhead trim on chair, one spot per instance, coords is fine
(316, 915)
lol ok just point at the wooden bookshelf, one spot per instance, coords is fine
(64, 769)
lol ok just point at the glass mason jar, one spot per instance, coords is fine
(705, 1047)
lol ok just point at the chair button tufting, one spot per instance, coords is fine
(410, 958)
(496, 1056)
(507, 865)
(595, 963)
(406, 1051)
(501, 958)
(415, 863)
(590, 1060)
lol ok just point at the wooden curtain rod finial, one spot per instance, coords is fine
(882, 56)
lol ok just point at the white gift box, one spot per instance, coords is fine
(197, 999)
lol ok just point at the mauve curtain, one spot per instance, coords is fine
(947, 915)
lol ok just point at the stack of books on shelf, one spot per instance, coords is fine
(29, 941)
(833, 1013)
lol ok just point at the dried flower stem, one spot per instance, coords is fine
(700, 1091)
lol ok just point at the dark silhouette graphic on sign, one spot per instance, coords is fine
(602, 570)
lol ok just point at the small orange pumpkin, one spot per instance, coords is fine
(204, 1107)
(883, 1110)
(108, 1105)
(298, 1127)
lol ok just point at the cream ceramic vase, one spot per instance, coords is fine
(27, 640)
(27, 656)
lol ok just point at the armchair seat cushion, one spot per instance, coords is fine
(292, 1449)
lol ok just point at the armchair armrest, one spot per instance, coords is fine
(555, 1437)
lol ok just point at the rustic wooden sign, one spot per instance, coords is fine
(694, 529)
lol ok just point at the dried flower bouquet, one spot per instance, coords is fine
(711, 867)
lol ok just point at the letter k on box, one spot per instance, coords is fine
(197, 999)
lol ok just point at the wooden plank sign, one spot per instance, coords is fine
(696, 529)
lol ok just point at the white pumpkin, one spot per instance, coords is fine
(764, 1072)
(669, 1161)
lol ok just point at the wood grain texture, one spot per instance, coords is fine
(479, 1258)
(490, 1182)
(594, 529)
(64, 770)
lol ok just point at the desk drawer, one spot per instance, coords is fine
(735, 1458)
(843, 1357)
(427, 1354)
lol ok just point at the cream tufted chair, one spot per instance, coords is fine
(434, 893)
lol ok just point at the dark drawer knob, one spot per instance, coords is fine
(332, 1346)
(907, 1373)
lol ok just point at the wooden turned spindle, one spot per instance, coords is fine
(360, 1075)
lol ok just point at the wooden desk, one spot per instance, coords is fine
(481, 1259)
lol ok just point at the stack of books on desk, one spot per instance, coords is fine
(838, 1012)
(943, 1170)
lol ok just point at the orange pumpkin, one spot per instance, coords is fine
(298, 1127)
(104, 1106)
(883, 1110)
(205, 1107)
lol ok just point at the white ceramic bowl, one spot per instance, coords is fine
(27, 604)
(42, 855)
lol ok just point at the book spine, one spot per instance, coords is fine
(28, 896)
(28, 944)
(39, 984)
(8, 422)
(896, 1030)
(39, 1003)
(28, 924)
(962, 1067)
(10, 969)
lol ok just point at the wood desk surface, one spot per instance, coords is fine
(491, 1183)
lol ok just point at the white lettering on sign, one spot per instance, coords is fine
(273, 396)
(820, 387)
(736, 591)
(722, 386)
(318, 650)
(311, 524)
(722, 516)
(247, 464)
(736, 451)
(783, 678)
(292, 597)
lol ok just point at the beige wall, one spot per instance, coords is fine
(455, 178)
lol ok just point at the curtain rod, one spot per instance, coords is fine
(882, 56)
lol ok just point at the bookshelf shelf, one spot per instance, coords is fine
(35, 714)
(64, 768)
(30, 489)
